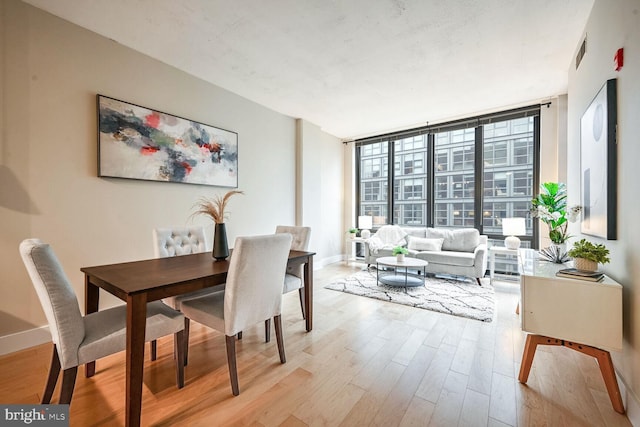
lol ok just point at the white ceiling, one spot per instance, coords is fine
(355, 67)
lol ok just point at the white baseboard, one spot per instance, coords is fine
(24, 339)
(631, 402)
(326, 261)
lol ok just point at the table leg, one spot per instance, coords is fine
(136, 325)
(91, 300)
(308, 293)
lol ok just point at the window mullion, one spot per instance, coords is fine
(430, 190)
(479, 178)
(390, 180)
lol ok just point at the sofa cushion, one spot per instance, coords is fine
(463, 259)
(415, 231)
(425, 244)
(459, 240)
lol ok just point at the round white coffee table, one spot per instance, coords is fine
(398, 273)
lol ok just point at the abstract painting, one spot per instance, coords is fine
(139, 143)
(598, 164)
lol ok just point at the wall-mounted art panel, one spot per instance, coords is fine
(599, 164)
(139, 143)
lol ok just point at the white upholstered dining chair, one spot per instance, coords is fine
(177, 241)
(81, 339)
(253, 294)
(293, 280)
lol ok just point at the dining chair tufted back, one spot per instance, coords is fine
(293, 278)
(300, 242)
(179, 241)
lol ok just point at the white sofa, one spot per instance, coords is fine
(460, 252)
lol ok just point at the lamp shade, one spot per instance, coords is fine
(513, 227)
(365, 222)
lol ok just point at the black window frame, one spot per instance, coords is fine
(477, 123)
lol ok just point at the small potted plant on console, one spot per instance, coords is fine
(353, 232)
(587, 256)
(400, 252)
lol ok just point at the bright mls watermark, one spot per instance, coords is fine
(37, 415)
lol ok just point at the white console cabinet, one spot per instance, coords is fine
(570, 309)
(581, 315)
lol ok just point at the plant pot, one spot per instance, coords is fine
(585, 264)
(220, 246)
(400, 257)
(353, 235)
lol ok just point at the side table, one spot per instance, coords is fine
(493, 250)
(351, 244)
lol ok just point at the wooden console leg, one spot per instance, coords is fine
(602, 356)
(609, 376)
(530, 350)
(606, 369)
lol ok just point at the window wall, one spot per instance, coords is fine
(373, 176)
(454, 172)
(410, 180)
(470, 173)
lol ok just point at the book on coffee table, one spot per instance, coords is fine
(574, 273)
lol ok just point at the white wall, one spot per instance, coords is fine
(548, 142)
(615, 24)
(48, 140)
(321, 195)
(553, 142)
(349, 218)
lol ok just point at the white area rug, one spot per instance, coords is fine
(457, 297)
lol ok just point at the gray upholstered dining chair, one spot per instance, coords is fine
(253, 294)
(177, 241)
(81, 339)
(293, 280)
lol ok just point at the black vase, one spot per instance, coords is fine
(220, 246)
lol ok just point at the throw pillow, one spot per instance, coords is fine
(425, 244)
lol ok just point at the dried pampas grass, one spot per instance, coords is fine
(214, 207)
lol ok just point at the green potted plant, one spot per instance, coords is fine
(400, 252)
(587, 256)
(551, 207)
(353, 232)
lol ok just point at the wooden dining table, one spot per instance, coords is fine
(140, 282)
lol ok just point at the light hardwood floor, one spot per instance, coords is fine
(366, 362)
